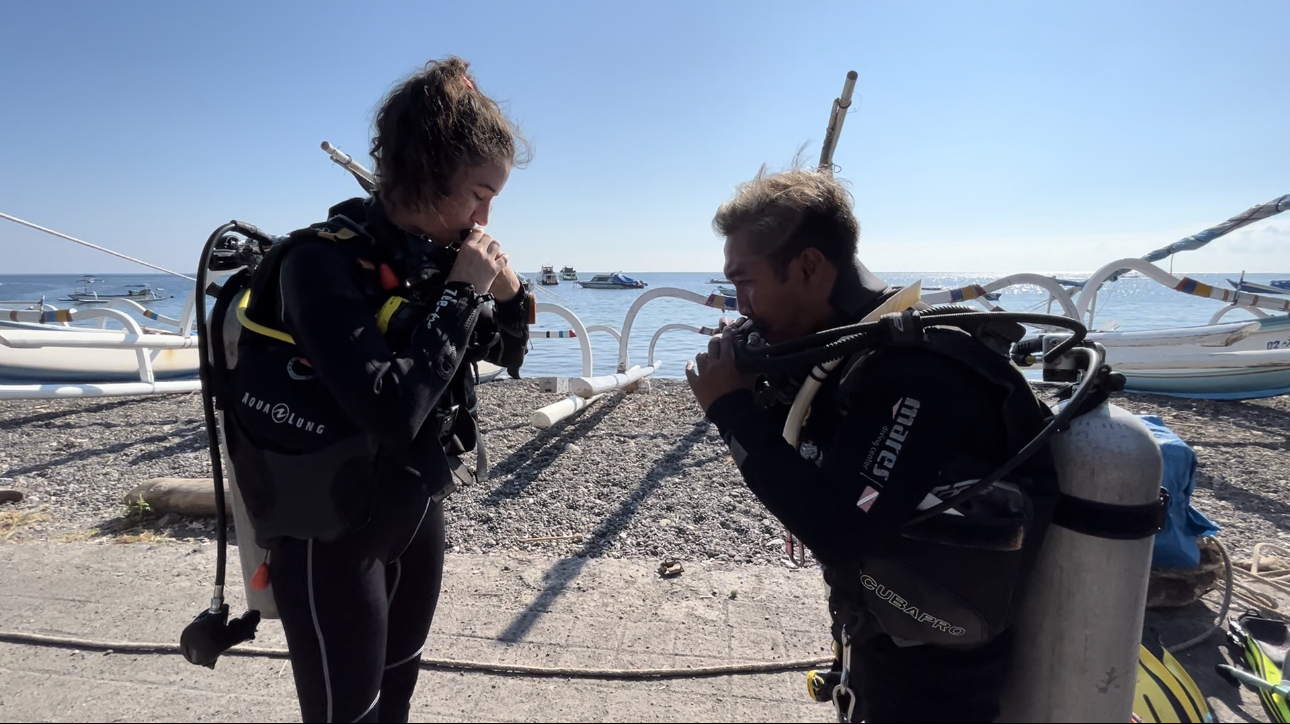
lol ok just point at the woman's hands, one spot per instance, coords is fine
(480, 262)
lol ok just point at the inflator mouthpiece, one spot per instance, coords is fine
(211, 634)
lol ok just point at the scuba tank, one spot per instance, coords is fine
(1079, 628)
(253, 558)
(1080, 624)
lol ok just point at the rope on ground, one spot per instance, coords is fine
(1222, 610)
(767, 667)
(1235, 588)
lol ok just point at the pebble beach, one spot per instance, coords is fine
(639, 475)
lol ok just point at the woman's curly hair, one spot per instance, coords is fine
(431, 127)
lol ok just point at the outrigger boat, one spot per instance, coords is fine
(1281, 286)
(42, 355)
(134, 292)
(1233, 360)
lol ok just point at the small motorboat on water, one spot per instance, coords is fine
(718, 281)
(617, 280)
(548, 277)
(568, 274)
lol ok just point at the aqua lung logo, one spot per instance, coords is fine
(445, 300)
(904, 412)
(888, 595)
(281, 414)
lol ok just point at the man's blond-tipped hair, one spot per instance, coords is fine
(789, 211)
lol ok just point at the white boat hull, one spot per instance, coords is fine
(86, 363)
(1238, 360)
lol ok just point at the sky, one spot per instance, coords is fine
(991, 137)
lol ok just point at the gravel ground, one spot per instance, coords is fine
(640, 475)
(1243, 451)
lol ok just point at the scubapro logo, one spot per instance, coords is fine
(281, 414)
(909, 609)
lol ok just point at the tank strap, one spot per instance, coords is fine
(1110, 521)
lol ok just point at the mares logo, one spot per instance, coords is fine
(888, 595)
(903, 412)
(445, 300)
(281, 414)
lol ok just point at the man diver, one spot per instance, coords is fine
(920, 608)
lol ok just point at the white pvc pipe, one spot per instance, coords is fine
(111, 389)
(77, 315)
(144, 312)
(1223, 312)
(1048, 284)
(669, 327)
(1156, 274)
(606, 329)
(673, 292)
(578, 329)
(588, 387)
(555, 412)
(23, 339)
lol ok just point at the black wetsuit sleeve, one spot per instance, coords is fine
(387, 394)
(909, 416)
(512, 320)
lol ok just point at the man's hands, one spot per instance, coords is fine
(481, 263)
(713, 374)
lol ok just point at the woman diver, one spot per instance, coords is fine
(352, 389)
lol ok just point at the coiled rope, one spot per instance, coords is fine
(1234, 588)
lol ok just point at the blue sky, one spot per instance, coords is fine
(986, 136)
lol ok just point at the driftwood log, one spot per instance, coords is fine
(182, 496)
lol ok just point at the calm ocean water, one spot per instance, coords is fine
(1133, 303)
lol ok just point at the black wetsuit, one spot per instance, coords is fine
(357, 608)
(881, 434)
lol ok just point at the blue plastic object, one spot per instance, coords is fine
(1176, 546)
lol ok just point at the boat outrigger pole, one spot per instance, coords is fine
(1245, 218)
(836, 118)
(347, 162)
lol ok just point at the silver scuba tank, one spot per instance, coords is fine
(250, 554)
(1080, 621)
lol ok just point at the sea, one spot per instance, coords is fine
(1129, 304)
